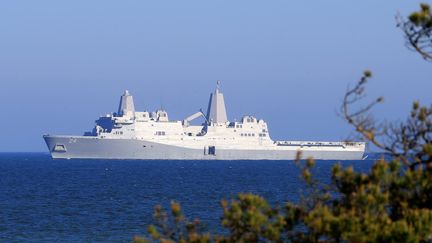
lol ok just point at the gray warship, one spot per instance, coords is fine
(144, 135)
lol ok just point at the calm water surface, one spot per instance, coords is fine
(45, 200)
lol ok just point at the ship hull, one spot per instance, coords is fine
(88, 147)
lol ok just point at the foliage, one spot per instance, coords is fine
(390, 203)
(418, 31)
(174, 227)
(408, 141)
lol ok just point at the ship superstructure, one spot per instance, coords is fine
(130, 134)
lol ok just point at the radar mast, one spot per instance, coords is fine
(216, 111)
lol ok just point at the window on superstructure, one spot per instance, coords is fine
(160, 133)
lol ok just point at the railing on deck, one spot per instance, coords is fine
(317, 144)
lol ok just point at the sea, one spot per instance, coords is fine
(46, 200)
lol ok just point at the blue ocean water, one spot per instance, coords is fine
(45, 200)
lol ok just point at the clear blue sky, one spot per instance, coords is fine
(64, 63)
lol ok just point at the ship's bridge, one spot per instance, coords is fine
(250, 126)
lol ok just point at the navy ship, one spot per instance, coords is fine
(131, 134)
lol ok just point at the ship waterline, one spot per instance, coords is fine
(128, 134)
